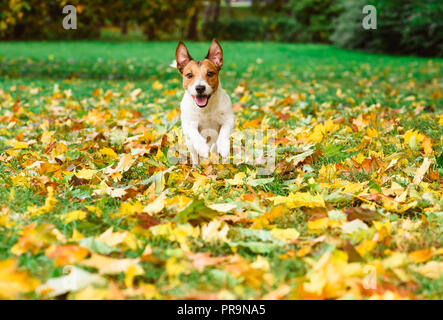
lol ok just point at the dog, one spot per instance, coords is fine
(206, 110)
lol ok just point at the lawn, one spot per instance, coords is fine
(92, 207)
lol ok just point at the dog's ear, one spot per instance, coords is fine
(215, 54)
(182, 56)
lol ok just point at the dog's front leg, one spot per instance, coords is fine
(223, 141)
(196, 143)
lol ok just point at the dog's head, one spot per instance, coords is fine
(200, 78)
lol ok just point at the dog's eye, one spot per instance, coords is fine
(210, 74)
(189, 75)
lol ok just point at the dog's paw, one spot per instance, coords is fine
(202, 149)
(223, 147)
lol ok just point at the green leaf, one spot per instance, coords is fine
(96, 246)
(259, 182)
(256, 246)
(195, 213)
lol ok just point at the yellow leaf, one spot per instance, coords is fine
(94, 209)
(19, 145)
(157, 205)
(48, 206)
(427, 146)
(215, 231)
(173, 113)
(300, 199)
(287, 235)
(238, 179)
(327, 172)
(91, 293)
(106, 265)
(77, 235)
(127, 208)
(265, 219)
(317, 133)
(318, 225)
(372, 133)
(112, 238)
(157, 85)
(13, 282)
(47, 137)
(126, 161)
(413, 138)
(108, 152)
(420, 256)
(179, 202)
(131, 273)
(365, 247)
(339, 93)
(303, 251)
(174, 267)
(360, 158)
(149, 291)
(352, 188)
(200, 181)
(85, 174)
(74, 215)
(420, 173)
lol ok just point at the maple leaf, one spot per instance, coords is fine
(66, 254)
(125, 162)
(215, 231)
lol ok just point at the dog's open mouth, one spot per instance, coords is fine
(201, 100)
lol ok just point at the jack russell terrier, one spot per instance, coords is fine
(206, 110)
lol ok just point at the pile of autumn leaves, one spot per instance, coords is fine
(357, 239)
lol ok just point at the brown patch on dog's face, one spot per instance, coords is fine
(200, 70)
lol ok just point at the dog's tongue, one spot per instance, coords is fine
(201, 101)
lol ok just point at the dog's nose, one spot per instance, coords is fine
(200, 89)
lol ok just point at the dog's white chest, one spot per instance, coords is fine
(207, 129)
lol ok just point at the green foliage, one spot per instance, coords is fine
(251, 28)
(34, 19)
(403, 26)
(314, 18)
(43, 20)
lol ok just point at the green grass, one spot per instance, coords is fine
(262, 66)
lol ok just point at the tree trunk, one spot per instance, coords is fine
(230, 12)
(124, 28)
(192, 27)
(207, 13)
(216, 12)
(149, 31)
